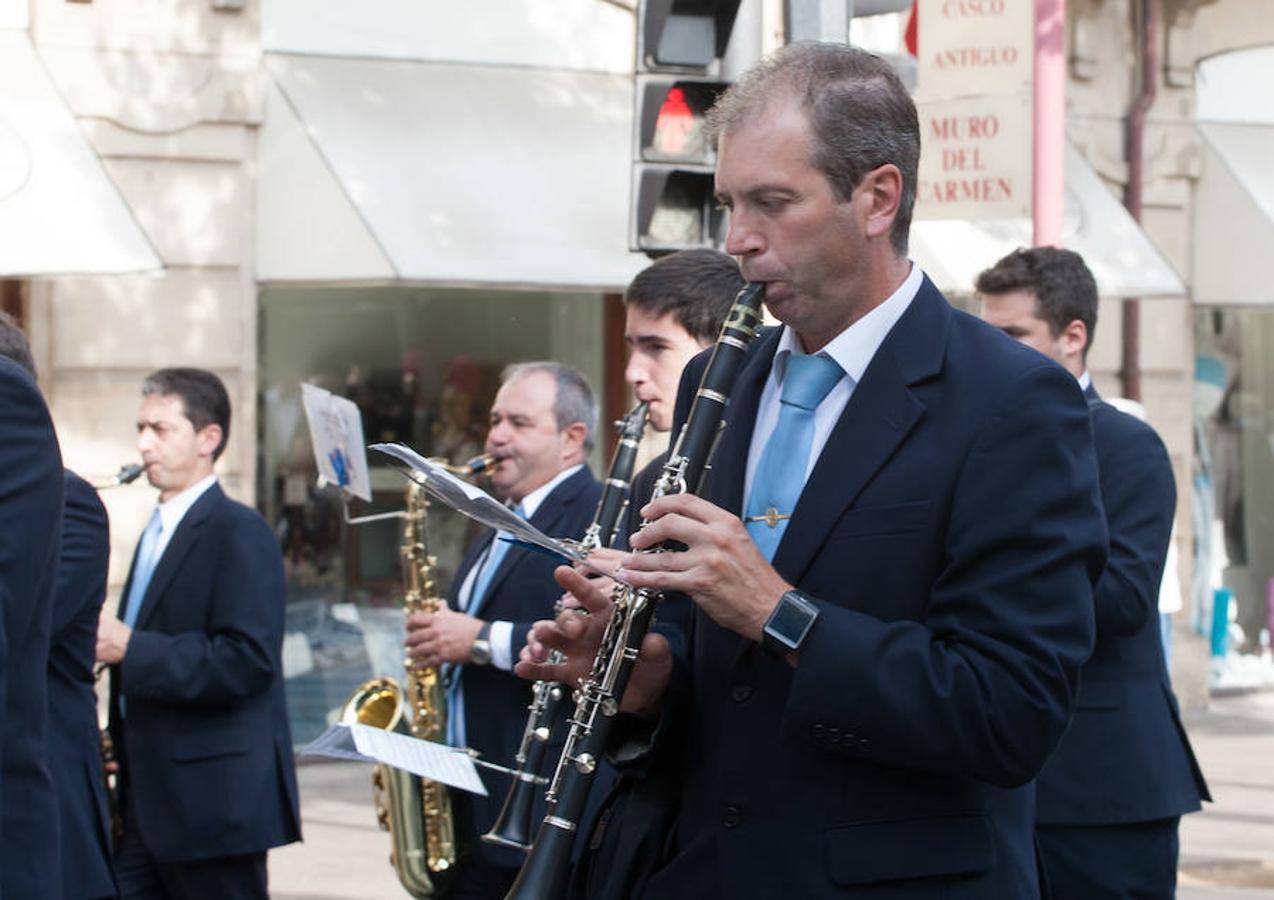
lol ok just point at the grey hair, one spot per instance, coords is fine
(860, 114)
(574, 401)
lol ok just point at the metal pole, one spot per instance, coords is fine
(819, 20)
(1049, 122)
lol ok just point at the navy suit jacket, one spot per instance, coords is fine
(204, 739)
(522, 591)
(950, 533)
(30, 521)
(1126, 757)
(75, 755)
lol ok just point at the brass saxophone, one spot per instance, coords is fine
(415, 811)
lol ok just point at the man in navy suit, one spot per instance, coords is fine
(74, 740)
(75, 753)
(30, 519)
(881, 662)
(198, 715)
(542, 425)
(1111, 797)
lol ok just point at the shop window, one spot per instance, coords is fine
(423, 367)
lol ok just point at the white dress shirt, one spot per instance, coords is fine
(503, 654)
(852, 349)
(173, 510)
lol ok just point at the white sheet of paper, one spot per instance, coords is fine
(336, 431)
(476, 503)
(436, 762)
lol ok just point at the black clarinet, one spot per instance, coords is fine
(545, 873)
(512, 827)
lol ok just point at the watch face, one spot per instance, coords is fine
(789, 622)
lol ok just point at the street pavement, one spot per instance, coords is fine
(1227, 851)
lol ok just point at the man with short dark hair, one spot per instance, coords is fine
(541, 429)
(74, 737)
(198, 714)
(673, 309)
(31, 485)
(892, 557)
(1110, 798)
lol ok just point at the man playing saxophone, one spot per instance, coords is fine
(542, 426)
(892, 560)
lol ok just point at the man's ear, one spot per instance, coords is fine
(881, 192)
(1074, 339)
(208, 439)
(573, 437)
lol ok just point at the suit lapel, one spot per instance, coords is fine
(187, 533)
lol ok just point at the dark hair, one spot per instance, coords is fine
(203, 398)
(860, 114)
(1064, 288)
(696, 286)
(573, 401)
(14, 345)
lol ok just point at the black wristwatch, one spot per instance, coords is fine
(788, 624)
(480, 652)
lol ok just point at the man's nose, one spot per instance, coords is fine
(742, 239)
(634, 371)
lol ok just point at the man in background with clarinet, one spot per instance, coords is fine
(893, 555)
(543, 423)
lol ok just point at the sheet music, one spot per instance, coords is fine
(472, 501)
(336, 431)
(436, 762)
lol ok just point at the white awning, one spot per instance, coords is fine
(1120, 255)
(1233, 246)
(446, 174)
(60, 214)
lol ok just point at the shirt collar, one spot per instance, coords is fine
(531, 502)
(173, 510)
(1085, 381)
(854, 347)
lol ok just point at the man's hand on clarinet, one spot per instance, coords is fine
(720, 569)
(578, 638)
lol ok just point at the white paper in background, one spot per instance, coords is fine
(336, 431)
(437, 762)
(477, 504)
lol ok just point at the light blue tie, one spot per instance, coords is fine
(482, 581)
(780, 476)
(147, 557)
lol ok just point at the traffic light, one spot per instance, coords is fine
(681, 46)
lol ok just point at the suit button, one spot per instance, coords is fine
(732, 817)
(818, 732)
(741, 692)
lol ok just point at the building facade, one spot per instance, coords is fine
(395, 202)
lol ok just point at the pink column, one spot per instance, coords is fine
(1049, 121)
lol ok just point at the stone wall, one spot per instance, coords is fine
(169, 94)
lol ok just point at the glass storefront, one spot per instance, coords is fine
(423, 366)
(1233, 485)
